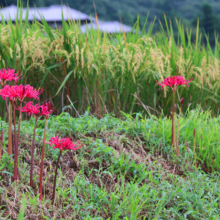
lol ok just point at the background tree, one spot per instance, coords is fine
(208, 22)
(129, 10)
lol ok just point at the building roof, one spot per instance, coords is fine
(107, 26)
(51, 14)
(11, 12)
(54, 14)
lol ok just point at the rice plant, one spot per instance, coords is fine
(110, 73)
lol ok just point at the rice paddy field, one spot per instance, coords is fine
(105, 92)
(110, 73)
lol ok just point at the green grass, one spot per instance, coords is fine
(126, 169)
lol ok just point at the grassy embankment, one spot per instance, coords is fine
(125, 170)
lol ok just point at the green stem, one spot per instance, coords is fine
(174, 126)
(10, 129)
(55, 178)
(16, 149)
(6, 106)
(19, 125)
(194, 143)
(32, 153)
(172, 141)
(42, 162)
(1, 144)
(177, 138)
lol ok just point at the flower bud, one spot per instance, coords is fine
(181, 102)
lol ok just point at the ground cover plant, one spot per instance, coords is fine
(126, 169)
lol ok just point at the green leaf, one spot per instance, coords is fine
(64, 81)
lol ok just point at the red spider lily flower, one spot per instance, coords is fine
(46, 109)
(29, 92)
(31, 109)
(5, 92)
(20, 92)
(174, 82)
(8, 75)
(63, 144)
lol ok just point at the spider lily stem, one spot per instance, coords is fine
(10, 129)
(32, 153)
(55, 178)
(173, 112)
(194, 143)
(19, 123)
(174, 130)
(16, 149)
(18, 137)
(1, 144)
(177, 138)
(6, 104)
(42, 162)
(178, 128)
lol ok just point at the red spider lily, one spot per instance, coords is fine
(46, 109)
(174, 82)
(20, 92)
(8, 75)
(31, 109)
(5, 92)
(63, 144)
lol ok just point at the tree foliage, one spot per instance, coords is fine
(128, 10)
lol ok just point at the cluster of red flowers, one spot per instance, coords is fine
(8, 75)
(63, 144)
(174, 82)
(20, 92)
(37, 110)
(31, 109)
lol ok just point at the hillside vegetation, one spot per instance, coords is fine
(126, 169)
